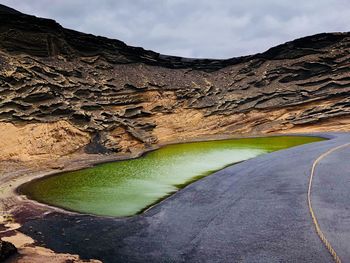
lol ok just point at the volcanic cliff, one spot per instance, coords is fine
(62, 91)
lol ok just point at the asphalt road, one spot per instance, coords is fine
(255, 211)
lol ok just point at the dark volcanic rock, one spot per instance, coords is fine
(96, 145)
(6, 250)
(8, 10)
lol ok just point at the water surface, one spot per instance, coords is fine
(127, 187)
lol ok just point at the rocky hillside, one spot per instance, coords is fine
(62, 90)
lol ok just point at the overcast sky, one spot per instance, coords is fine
(196, 28)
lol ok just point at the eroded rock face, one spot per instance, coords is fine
(128, 98)
(40, 140)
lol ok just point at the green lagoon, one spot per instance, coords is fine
(125, 188)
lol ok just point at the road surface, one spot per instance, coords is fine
(254, 211)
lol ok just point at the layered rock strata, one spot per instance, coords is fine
(84, 91)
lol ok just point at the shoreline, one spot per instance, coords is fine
(218, 206)
(115, 158)
(20, 208)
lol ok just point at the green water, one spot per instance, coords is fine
(125, 188)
